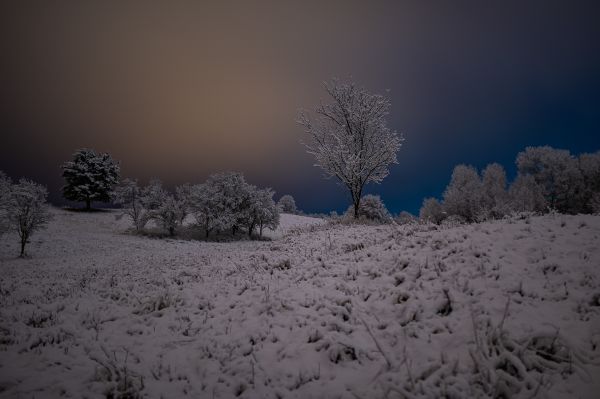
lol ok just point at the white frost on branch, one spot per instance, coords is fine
(350, 139)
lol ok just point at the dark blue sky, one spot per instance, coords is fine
(179, 90)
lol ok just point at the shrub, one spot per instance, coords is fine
(432, 211)
(287, 204)
(371, 208)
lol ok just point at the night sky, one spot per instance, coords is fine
(179, 90)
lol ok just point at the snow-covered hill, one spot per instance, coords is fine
(504, 308)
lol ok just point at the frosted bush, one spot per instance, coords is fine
(432, 211)
(287, 204)
(464, 197)
(371, 208)
(557, 173)
(525, 195)
(129, 195)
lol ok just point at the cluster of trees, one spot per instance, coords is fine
(547, 179)
(23, 208)
(225, 201)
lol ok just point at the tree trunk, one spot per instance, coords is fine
(171, 231)
(88, 204)
(23, 242)
(356, 207)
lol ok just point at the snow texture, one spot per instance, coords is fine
(507, 307)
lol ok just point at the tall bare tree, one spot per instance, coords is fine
(350, 139)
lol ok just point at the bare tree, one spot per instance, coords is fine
(27, 210)
(350, 139)
(130, 196)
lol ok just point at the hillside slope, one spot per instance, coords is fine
(504, 308)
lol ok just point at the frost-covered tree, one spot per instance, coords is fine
(494, 193)
(129, 195)
(557, 172)
(5, 185)
(205, 206)
(432, 211)
(90, 177)
(183, 194)
(594, 204)
(27, 211)
(350, 139)
(405, 217)
(287, 204)
(217, 204)
(463, 196)
(372, 208)
(168, 214)
(165, 209)
(153, 195)
(260, 211)
(589, 165)
(526, 195)
(268, 216)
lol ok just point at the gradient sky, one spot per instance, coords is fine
(179, 90)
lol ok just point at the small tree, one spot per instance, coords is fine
(557, 172)
(589, 164)
(526, 195)
(218, 203)
(261, 211)
(287, 204)
(90, 177)
(372, 208)
(268, 216)
(129, 195)
(168, 215)
(349, 137)
(204, 206)
(405, 217)
(183, 194)
(432, 211)
(27, 210)
(494, 194)
(463, 196)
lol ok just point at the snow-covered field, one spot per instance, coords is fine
(508, 308)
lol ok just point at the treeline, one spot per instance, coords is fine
(548, 179)
(224, 202)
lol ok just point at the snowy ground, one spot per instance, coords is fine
(320, 311)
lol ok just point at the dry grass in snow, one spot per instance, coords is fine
(502, 309)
